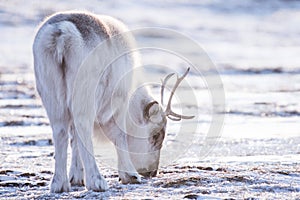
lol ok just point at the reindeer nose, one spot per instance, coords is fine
(149, 174)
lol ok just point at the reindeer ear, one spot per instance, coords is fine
(151, 111)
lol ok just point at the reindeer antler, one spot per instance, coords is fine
(168, 112)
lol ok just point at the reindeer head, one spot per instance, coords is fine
(148, 125)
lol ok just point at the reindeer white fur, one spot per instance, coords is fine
(61, 45)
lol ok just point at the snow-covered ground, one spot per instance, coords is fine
(255, 46)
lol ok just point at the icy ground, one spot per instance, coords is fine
(241, 166)
(255, 45)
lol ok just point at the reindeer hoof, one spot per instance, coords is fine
(59, 185)
(76, 177)
(127, 178)
(97, 184)
(75, 181)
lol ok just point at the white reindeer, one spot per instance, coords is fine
(61, 45)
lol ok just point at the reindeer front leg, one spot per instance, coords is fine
(127, 172)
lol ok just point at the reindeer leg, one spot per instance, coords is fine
(50, 85)
(60, 181)
(127, 172)
(93, 179)
(76, 169)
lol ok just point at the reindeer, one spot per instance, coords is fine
(61, 44)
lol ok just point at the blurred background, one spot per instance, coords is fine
(234, 33)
